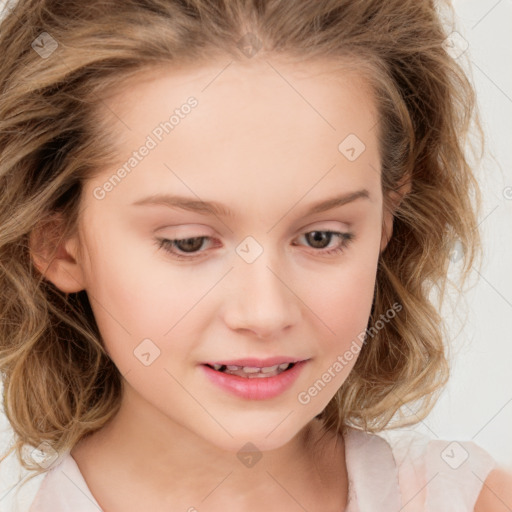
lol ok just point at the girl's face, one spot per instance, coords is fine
(240, 158)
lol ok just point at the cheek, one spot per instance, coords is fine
(347, 305)
(343, 298)
(341, 307)
(133, 300)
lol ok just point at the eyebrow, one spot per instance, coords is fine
(215, 208)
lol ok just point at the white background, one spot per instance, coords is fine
(477, 402)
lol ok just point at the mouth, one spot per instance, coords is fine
(255, 382)
(252, 372)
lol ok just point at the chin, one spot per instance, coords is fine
(266, 435)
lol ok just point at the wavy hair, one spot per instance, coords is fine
(59, 383)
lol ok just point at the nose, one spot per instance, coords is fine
(261, 300)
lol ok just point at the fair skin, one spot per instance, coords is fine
(256, 146)
(496, 493)
(268, 151)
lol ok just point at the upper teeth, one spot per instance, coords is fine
(253, 369)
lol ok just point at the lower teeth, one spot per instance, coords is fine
(256, 375)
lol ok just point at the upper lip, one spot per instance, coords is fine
(257, 363)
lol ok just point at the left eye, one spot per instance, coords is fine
(194, 244)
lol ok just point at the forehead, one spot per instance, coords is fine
(256, 127)
(320, 92)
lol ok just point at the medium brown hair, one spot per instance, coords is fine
(59, 383)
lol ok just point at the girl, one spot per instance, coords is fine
(221, 221)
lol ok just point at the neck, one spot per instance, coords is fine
(142, 449)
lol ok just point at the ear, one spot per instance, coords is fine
(55, 257)
(391, 203)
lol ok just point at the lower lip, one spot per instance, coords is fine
(256, 388)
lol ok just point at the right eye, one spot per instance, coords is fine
(185, 245)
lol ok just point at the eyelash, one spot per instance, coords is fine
(168, 244)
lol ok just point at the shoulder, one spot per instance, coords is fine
(445, 475)
(63, 488)
(496, 494)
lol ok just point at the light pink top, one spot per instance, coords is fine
(411, 473)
